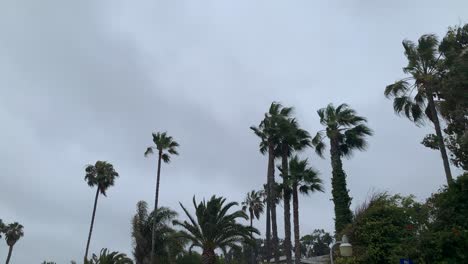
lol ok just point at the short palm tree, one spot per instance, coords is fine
(169, 245)
(13, 232)
(304, 179)
(213, 227)
(346, 132)
(268, 132)
(414, 96)
(102, 175)
(291, 138)
(253, 203)
(165, 146)
(106, 257)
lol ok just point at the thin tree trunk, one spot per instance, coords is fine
(297, 243)
(274, 226)
(208, 256)
(251, 236)
(268, 221)
(341, 199)
(156, 198)
(440, 139)
(92, 224)
(287, 208)
(10, 250)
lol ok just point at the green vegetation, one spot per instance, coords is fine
(170, 245)
(102, 175)
(165, 146)
(346, 131)
(106, 257)
(213, 227)
(316, 244)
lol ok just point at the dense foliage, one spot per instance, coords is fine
(388, 228)
(214, 227)
(169, 245)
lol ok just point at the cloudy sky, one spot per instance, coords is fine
(82, 81)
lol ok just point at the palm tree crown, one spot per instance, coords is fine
(254, 204)
(213, 227)
(162, 143)
(13, 232)
(304, 176)
(102, 175)
(344, 127)
(410, 94)
(414, 96)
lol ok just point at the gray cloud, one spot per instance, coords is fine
(87, 80)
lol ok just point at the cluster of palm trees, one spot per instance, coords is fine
(12, 232)
(281, 137)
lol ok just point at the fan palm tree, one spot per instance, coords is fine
(169, 246)
(346, 131)
(165, 146)
(106, 257)
(304, 179)
(254, 204)
(102, 175)
(291, 138)
(268, 131)
(414, 95)
(213, 227)
(13, 232)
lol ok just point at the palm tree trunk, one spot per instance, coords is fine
(10, 250)
(341, 199)
(271, 174)
(251, 236)
(92, 224)
(440, 138)
(297, 243)
(287, 209)
(208, 256)
(156, 198)
(268, 223)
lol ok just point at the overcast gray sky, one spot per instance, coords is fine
(88, 80)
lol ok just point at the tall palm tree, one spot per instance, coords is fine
(304, 179)
(346, 131)
(102, 175)
(213, 227)
(254, 204)
(165, 146)
(169, 246)
(13, 232)
(414, 95)
(291, 138)
(268, 131)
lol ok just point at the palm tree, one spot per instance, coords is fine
(346, 131)
(268, 131)
(106, 257)
(13, 232)
(254, 204)
(291, 138)
(414, 95)
(169, 246)
(166, 146)
(102, 175)
(305, 180)
(215, 228)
